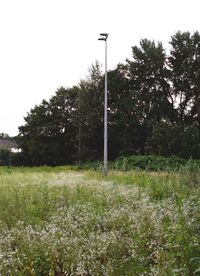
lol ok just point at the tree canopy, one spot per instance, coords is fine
(153, 107)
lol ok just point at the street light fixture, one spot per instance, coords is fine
(104, 37)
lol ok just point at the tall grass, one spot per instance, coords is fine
(63, 222)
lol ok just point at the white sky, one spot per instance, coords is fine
(45, 44)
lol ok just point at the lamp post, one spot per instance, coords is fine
(104, 37)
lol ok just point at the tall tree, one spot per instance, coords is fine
(166, 139)
(148, 76)
(184, 62)
(90, 115)
(153, 105)
(123, 123)
(68, 127)
(47, 136)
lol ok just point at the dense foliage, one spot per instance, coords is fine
(154, 108)
(6, 154)
(151, 163)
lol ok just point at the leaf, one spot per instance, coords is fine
(197, 270)
(178, 270)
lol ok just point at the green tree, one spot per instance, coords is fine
(89, 123)
(123, 123)
(4, 157)
(153, 106)
(184, 63)
(68, 127)
(166, 139)
(148, 75)
(4, 136)
(47, 136)
(190, 144)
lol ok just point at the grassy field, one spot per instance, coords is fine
(66, 222)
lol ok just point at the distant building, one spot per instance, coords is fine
(7, 144)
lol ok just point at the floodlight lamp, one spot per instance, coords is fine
(104, 34)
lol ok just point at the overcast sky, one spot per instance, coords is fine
(45, 44)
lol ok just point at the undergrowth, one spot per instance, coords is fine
(68, 222)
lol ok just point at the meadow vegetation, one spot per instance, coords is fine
(65, 221)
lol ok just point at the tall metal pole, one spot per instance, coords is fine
(106, 116)
(10, 158)
(104, 37)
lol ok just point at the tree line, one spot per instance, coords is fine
(153, 108)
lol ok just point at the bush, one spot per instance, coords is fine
(149, 163)
(4, 157)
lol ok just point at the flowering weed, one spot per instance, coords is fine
(80, 223)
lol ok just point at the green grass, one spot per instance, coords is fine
(59, 221)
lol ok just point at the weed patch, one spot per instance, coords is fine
(64, 222)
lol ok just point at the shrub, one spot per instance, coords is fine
(148, 162)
